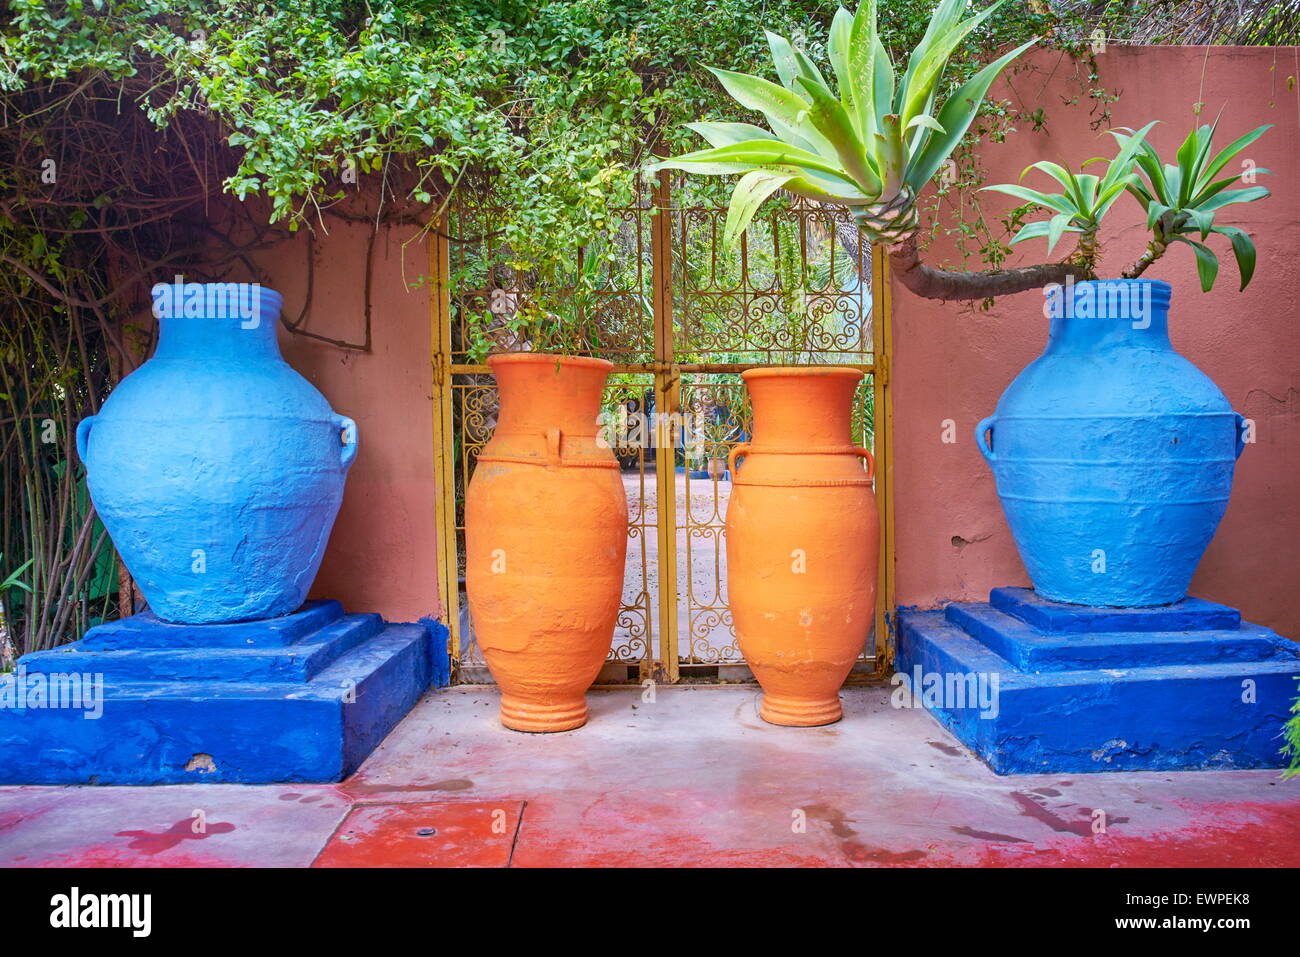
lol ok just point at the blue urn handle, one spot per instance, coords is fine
(1241, 437)
(986, 425)
(347, 439)
(83, 437)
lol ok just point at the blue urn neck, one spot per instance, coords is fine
(1095, 315)
(217, 320)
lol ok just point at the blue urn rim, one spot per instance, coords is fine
(1155, 293)
(269, 302)
(1160, 287)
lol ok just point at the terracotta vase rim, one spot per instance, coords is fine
(545, 358)
(784, 372)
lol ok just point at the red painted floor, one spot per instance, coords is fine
(693, 778)
(472, 834)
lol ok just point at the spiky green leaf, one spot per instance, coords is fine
(1230, 151)
(1233, 196)
(757, 153)
(840, 39)
(832, 121)
(862, 68)
(955, 117)
(1207, 264)
(1056, 227)
(784, 110)
(750, 193)
(724, 134)
(1243, 248)
(787, 68)
(924, 77)
(1058, 202)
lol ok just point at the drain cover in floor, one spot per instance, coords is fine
(454, 834)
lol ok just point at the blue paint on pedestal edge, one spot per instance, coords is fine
(439, 652)
(1083, 689)
(302, 698)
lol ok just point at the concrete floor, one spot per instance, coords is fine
(692, 778)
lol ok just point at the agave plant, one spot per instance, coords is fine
(1183, 199)
(871, 148)
(1180, 200)
(1085, 199)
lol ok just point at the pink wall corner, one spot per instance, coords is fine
(952, 361)
(382, 555)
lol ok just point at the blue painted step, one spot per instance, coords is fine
(1108, 691)
(301, 698)
(1028, 649)
(1058, 617)
(147, 630)
(300, 661)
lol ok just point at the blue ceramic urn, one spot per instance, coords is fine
(1113, 454)
(216, 468)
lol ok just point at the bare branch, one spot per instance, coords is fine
(929, 283)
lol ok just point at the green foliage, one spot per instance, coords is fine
(13, 581)
(57, 569)
(871, 148)
(15, 578)
(1291, 732)
(553, 107)
(546, 99)
(598, 299)
(1183, 198)
(553, 104)
(1085, 198)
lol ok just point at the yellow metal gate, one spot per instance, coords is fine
(680, 317)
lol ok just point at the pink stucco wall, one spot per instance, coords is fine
(952, 361)
(382, 554)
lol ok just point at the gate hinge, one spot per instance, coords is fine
(882, 369)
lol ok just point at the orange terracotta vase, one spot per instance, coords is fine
(802, 542)
(545, 540)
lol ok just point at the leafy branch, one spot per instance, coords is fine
(1181, 199)
(1184, 198)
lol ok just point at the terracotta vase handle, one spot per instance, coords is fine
(871, 461)
(738, 452)
(553, 438)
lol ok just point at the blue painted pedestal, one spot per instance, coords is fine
(300, 698)
(1177, 687)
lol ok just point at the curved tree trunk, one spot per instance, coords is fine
(929, 283)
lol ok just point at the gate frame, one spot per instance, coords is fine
(667, 383)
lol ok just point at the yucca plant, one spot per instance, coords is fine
(1084, 200)
(872, 147)
(1183, 199)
